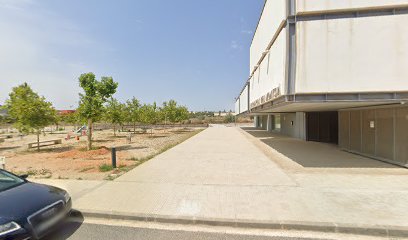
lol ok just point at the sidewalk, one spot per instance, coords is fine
(220, 177)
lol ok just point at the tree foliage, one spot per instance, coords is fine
(72, 118)
(30, 111)
(5, 119)
(91, 101)
(95, 95)
(148, 114)
(174, 113)
(229, 118)
(132, 110)
(115, 113)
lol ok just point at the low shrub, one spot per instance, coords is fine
(105, 168)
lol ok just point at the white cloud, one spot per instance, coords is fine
(34, 44)
(249, 32)
(15, 4)
(244, 27)
(235, 45)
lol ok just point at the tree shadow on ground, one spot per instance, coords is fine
(130, 147)
(157, 136)
(101, 140)
(115, 137)
(181, 131)
(50, 149)
(314, 154)
(8, 148)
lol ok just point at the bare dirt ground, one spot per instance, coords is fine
(69, 160)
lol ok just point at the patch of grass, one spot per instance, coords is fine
(45, 172)
(84, 149)
(134, 159)
(105, 168)
(125, 168)
(110, 178)
(31, 172)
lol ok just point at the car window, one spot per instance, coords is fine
(8, 180)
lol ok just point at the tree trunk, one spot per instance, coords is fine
(38, 140)
(134, 127)
(114, 130)
(89, 134)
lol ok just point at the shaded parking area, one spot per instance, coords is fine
(315, 154)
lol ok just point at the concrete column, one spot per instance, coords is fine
(269, 123)
(300, 125)
(256, 121)
(264, 122)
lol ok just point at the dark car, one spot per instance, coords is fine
(29, 210)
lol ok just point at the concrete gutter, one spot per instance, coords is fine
(326, 227)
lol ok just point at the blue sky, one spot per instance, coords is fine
(193, 51)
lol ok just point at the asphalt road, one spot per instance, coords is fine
(81, 230)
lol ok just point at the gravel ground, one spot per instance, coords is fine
(69, 160)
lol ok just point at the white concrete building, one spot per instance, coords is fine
(332, 71)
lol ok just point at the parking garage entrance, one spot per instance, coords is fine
(322, 127)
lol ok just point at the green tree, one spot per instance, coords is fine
(182, 114)
(149, 114)
(72, 119)
(5, 119)
(57, 121)
(174, 113)
(114, 113)
(133, 112)
(91, 102)
(154, 115)
(169, 110)
(30, 111)
(229, 118)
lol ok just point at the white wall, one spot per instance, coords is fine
(298, 129)
(353, 55)
(320, 5)
(272, 16)
(244, 100)
(271, 73)
(300, 125)
(286, 124)
(237, 106)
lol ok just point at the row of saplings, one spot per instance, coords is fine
(31, 112)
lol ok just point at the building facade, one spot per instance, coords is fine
(332, 71)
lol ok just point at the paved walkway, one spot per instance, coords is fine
(221, 174)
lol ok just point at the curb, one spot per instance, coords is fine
(358, 229)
